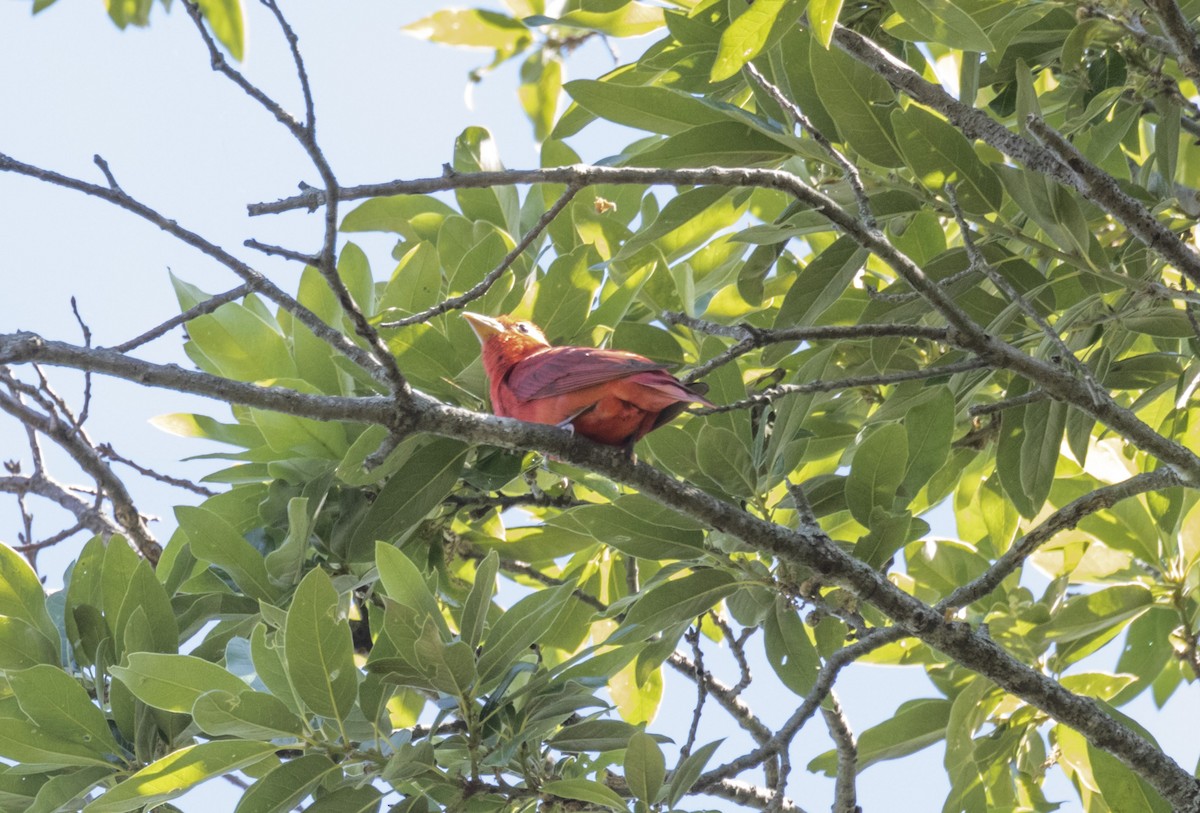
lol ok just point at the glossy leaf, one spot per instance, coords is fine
(173, 682)
(175, 773)
(320, 657)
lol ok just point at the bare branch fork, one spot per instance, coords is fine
(123, 200)
(305, 135)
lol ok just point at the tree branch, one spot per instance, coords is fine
(119, 198)
(1063, 519)
(485, 284)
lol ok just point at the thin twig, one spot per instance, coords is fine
(485, 284)
(1063, 519)
(304, 133)
(692, 636)
(882, 379)
(87, 375)
(70, 440)
(752, 338)
(122, 200)
(1181, 36)
(823, 684)
(1024, 399)
(280, 251)
(200, 309)
(107, 451)
(979, 262)
(848, 168)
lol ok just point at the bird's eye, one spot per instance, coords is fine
(523, 327)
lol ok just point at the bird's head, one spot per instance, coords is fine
(505, 340)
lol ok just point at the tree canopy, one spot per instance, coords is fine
(926, 255)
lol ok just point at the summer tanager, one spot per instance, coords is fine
(609, 396)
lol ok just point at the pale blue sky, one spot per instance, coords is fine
(183, 139)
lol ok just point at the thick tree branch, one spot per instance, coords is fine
(1181, 36)
(804, 547)
(1077, 174)
(845, 796)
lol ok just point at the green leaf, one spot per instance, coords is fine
(939, 154)
(565, 293)
(176, 773)
(63, 790)
(945, 21)
(585, 790)
(594, 735)
(723, 143)
(475, 609)
(472, 28)
(877, 471)
(789, 649)
(269, 666)
(620, 19)
(915, 725)
(859, 101)
(235, 340)
(287, 785)
(410, 494)
(476, 151)
(318, 650)
(364, 799)
(29, 745)
(519, 627)
(889, 533)
(406, 585)
(59, 706)
(1009, 451)
(285, 564)
(541, 83)
(637, 526)
(930, 429)
(1044, 425)
(22, 595)
(173, 682)
(214, 540)
(688, 771)
(746, 35)
(228, 24)
(22, 646)
(822, 17)
(1101, 610)
(825, 279)
(651, 107)
(645, 767)
(416, 217)
(146, 593)
(247, 715)
(678, 600)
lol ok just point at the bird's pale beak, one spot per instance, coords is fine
(484, 326)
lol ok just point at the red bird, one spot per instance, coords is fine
(609, 396)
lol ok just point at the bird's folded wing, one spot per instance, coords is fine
(558, 370)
